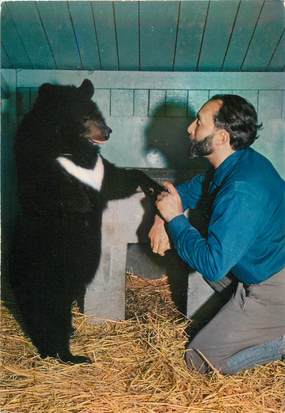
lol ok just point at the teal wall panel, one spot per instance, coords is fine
(5, 61)
(33, 96)
(126, 17)
(247, 16)
(270, 104)
(214, 92)
(102, 98)
(33, 36)
(122, 103)
(141, 98)
(156, 106)
(267, 33)
(217, 35)
(82, 18)
(190, 34)
(8, 172)
(271, 142)
(196, 98)
(149, 124)
(23, 99)
(250, 95)
(277, 61)
(106, 34)
(158, 41)
(9, 35)
(176, 103)
(60, 33)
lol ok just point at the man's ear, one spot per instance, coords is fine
(223, 137)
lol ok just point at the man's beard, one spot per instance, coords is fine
(202, 148)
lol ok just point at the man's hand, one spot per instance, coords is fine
(169, 203)
(159, 240)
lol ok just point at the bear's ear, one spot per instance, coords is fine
(45, 89)
(86, 88)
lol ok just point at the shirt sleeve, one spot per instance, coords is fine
(190, 192)
(233, 227)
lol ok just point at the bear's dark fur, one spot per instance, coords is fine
(63, 187)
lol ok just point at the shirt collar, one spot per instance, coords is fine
(226, 166)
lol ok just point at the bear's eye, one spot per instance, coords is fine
(86, 118)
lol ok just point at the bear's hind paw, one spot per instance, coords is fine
(74, 359)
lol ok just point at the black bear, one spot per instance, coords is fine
(63, 186)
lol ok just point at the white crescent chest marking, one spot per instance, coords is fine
(92, 177)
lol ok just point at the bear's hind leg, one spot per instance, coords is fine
(58, 331)
(48, 322)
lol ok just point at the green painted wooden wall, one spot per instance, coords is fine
(149, 112)
(187, 35)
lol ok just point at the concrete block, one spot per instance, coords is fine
(105, 296)
(125, 222)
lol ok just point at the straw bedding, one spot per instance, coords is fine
(137, 367)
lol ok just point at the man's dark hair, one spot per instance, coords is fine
(239, 118)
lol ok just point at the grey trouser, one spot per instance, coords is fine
(254, 315)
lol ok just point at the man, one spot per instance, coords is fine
(245, 237)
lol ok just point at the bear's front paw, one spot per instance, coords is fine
(152, 189)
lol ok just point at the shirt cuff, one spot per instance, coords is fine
(176, 226)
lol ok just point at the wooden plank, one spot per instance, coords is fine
(33, 95)
(5, 61)
(23, 102)
(141, 98)
(5, 89)
(196, 99)
(158, 37)
(176, 103)
(126, 17)
(270, 104)
(9, 204)
(17, 54)
(214, 92)
(156, 103)
(122, 103)
(82, 19)
(190, 33)
(31, 32)
(277, 61)
(155, 80)
(102, 98)
(58, 27)
(250, 95)
(221, 15)
(266, 36)
(244, 26)
(106, 35)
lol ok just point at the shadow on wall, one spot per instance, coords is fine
(167, 140)
(166, 147)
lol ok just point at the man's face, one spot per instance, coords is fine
(203, 130)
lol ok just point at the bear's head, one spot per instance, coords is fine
(69, 116)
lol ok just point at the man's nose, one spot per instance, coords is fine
(190, 128)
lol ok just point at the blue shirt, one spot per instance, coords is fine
(246, 230)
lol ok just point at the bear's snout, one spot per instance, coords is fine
(95, 132)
